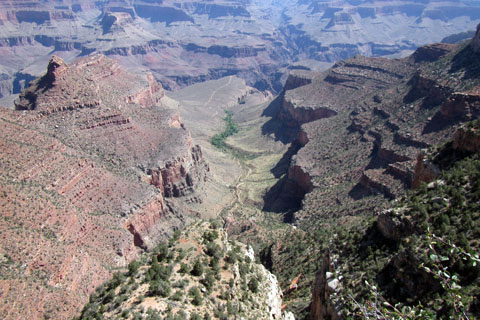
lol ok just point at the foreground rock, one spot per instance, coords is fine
(199, 274)
(94, 170)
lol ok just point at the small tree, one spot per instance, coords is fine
(133, 267)
(159, 288)
(253, 285)
(197, 269)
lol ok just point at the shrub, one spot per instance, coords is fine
(183, 268)
(133, 267)
(180, 315)
(210, 236)
(208, 281)
(159, 288)
(253, 285)
(214, 250)
(195, 316)
(232, 257)
(161, 252)
(196, 296)
(197, 269)
(177, 296)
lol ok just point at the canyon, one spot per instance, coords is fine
(108, 152)
(255, 40)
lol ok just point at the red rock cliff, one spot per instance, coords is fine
(74, 168)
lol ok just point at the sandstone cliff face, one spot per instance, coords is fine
(87, 138)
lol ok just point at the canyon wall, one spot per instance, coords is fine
(254, 40)
(79, 161)
(362, 109)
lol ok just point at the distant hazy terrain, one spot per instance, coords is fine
(184, 42)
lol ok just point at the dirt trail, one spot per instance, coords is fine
(240, 182)
(238, 201)
(216, 90)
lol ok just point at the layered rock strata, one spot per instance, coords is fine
(254, 40)
(363, 122)
(78, 163)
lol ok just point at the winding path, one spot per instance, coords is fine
(216, 90)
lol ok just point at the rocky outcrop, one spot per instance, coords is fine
(114, 21)
(476, 40)
(340, 18)
(467, 139)
(425, 170)
(459, 106)
(294, 115)
(423, 87)
(378, 181)
(324, 287)
(181, 176)
(393, 226)
(298, 79)
(17, 41)
(301, 178)
(150, 96)
(432, 52)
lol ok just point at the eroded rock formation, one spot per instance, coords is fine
(325, 284)
(381, 113)
(251, 39)
(77, 162)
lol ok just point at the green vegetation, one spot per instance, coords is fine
(231, 128)
(429, 269)
(197, 269)
(190, 275)
(446, 211)
(253, 285)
